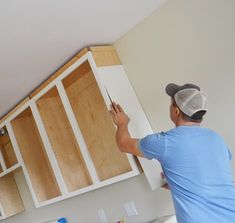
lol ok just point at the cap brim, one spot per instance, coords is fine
(171, 89)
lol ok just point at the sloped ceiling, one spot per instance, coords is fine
(37, 37)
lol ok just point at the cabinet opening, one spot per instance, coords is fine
(10, 199)
(95, 122)
(34, 156)
(63, 141)
(1, 168)
(6, 148)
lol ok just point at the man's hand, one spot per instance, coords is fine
(120, 118)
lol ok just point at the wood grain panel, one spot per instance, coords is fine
(105, 56)
(9, 155)
(63, 141)
(10, 198)
(35, 157)
(96, 125)
(8, 152)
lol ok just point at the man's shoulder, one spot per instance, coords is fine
(211, 132)
(192, 129)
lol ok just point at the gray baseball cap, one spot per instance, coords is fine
(188, 97)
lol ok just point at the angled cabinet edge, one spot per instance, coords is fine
(116, 82)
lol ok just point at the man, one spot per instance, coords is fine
(195, 160)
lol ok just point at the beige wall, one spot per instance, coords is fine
(83, 208)
(184, 41)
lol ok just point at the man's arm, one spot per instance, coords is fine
(124, 141)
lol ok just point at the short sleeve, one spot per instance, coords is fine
(153, 146)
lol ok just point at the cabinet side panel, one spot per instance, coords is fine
(121, 91)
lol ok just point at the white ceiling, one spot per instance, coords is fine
(37, 37)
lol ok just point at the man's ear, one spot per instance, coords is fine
(177, 111)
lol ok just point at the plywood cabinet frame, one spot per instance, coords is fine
(5, 122)
(11, 170)
(17, 150)
(99, 69)
(57, 82)
(100, 59)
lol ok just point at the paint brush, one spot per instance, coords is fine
(110, 99)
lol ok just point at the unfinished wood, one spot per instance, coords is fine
(64, 144)
(10, 198)
(14, 109)
(105, 56)
(8, 152)
(35, 157)
(95, 123)
(9, 155)
(59, 72)
(79, 72)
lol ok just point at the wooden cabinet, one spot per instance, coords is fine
(34, 156)
(63, 136)
(8, 160)
(7, 151)
(63, 141)
(95, 122)
(10, 199)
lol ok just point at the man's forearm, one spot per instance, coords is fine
(122, 135)
(125, 142)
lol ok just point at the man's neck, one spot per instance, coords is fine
(185, 123)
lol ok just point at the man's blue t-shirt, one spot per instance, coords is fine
(196, 163)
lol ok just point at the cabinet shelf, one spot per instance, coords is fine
(95, 122)
(9, 170)
(34, 156)
(62, 139)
